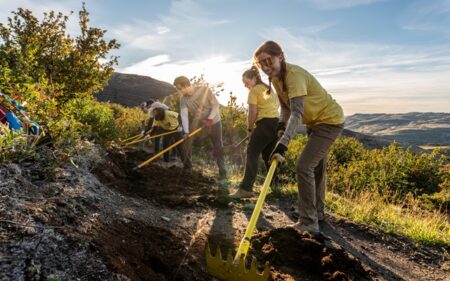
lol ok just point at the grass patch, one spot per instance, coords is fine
(409, 219)
(431, 228)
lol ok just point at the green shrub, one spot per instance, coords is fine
(390, 170)
(87, 118)
(15, 145)
(346, 150)
(128, 120)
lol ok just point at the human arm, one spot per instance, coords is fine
(251, 117)
(184, 113)
(295, 119)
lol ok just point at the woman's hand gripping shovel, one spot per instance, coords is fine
(167, 149)
(234, 269)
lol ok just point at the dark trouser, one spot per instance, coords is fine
(168, 140)
(157, 141)
(215, 134)
(311, 172)
(262, 141)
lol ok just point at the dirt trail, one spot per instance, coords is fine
(154, 223)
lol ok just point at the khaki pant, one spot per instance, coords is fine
(311, 172)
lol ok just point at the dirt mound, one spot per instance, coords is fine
(297, 256)
(170, 187)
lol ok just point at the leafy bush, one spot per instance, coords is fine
(346, 150)
(91, 119)
(128, 120)
(390, 170)
(43, 53)
(15, 145)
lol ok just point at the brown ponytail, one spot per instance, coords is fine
(254, 72)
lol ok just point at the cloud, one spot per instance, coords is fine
(39, 7)
(340, 4)
(185, 20)
(216, 69)
(373, 77)
(427, 16)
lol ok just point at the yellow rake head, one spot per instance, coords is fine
(234, 269)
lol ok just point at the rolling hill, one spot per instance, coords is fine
(131, 89)
(414, 128)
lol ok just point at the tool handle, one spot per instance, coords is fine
(152, 137)
(167, 149)
(245, 242)
(239, 143)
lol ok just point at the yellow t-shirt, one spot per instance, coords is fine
(169, 123)
(266, 104)
(319, 106)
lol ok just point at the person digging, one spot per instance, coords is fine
(199, 107)
(168, 121)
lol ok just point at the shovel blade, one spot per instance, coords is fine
(228, 270)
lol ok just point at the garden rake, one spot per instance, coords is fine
(235, 269)
(167, 149)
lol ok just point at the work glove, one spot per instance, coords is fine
(209, 123)
(280, 129)
(185, 135)
(278, 153)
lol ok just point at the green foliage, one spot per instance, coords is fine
(127, 120)
(90, 119)
(346, 150)
(234, 121)
(392, 170)
(15, 145)
(43, 53)
(55, 75)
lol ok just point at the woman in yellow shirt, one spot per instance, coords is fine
(167, 121)
(303, 99)
(262, 121)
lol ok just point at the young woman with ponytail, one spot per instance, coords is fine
(262, 121)
(302, 100)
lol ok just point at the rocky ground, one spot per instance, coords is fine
(119, 223)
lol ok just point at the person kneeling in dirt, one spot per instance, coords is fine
(200, 106)
(167, 121)
(262, 123)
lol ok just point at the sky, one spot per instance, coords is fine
(372, 56)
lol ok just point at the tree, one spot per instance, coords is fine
(43, 53)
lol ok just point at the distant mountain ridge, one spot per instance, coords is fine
(414, 128)
(131, 89)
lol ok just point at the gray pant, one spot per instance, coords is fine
(215, 134)
(311, 172)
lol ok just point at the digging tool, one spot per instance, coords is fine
(134, 137)
(239, 143)
(167, 149)
(152, 137)
(235, 269)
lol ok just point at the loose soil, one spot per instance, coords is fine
(122, 223)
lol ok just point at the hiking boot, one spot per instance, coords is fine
(242, 193)
(311, 228)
